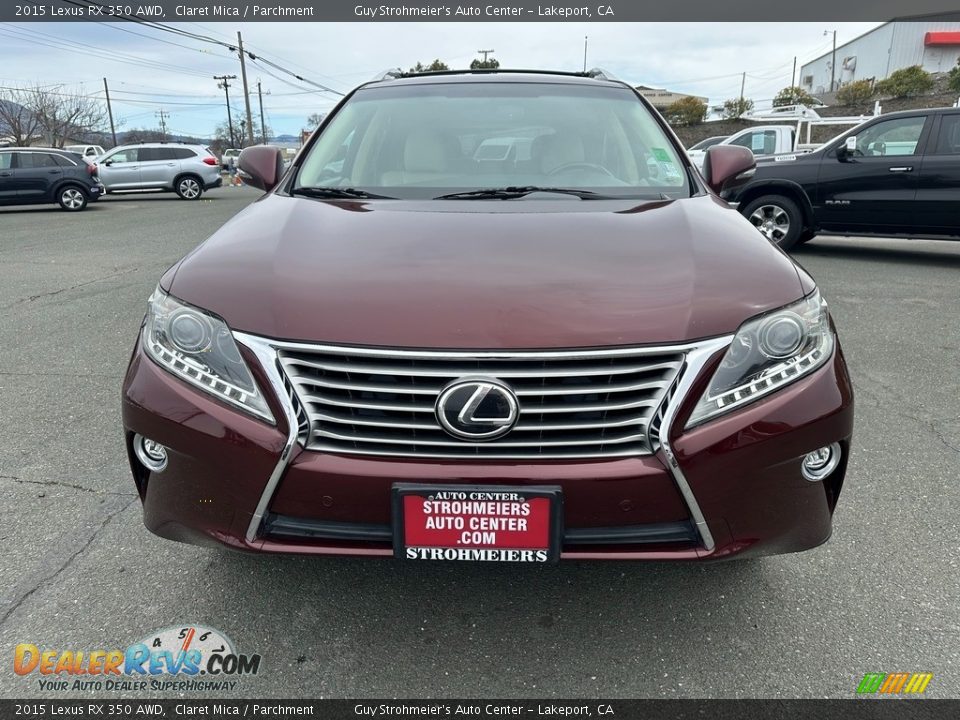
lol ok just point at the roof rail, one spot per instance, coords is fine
(389, 74)
(396, 73)
(601, 74)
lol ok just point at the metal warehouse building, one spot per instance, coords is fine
(932, 41)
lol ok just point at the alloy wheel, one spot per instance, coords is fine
(72, 199)
(189, 189)
(772, 220)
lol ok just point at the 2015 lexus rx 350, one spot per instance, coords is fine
(490, 316)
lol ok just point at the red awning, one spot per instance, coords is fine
(942, 38)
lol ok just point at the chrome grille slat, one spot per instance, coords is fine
(521, 427)
(434, 389)
(573, 404)
(452, 442)
(505, 373)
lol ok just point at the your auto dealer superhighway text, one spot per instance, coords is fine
(543, 11)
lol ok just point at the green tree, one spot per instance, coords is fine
(855, 93)
(913, 80)
(686, 111)
(794, 95)
(953, 78)
(488, 64)
(735, 107)
(436, 66)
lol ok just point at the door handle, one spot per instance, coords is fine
(171, 164)
(6, 174)
(53, 172)
(902, 168)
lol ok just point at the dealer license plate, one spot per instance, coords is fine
(478, 523)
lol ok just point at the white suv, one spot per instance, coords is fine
(187, 170)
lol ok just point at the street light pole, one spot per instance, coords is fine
(833, 60)
(585, 37)
(246, 90)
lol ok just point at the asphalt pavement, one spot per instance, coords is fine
(79, 571)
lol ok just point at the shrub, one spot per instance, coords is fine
(913, 80)
(686, 111)
(855, 93)
(953, 78)
(794, 96)
(735, 107)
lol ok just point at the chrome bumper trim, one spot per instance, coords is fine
(267, 355)
(695, 361)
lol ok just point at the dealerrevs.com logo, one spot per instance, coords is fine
(186, 658)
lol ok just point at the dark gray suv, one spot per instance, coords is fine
(47, 175)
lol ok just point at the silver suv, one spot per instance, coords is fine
(187, 170)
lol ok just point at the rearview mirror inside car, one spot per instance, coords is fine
(726, 167)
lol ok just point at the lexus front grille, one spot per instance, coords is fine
(572, 404)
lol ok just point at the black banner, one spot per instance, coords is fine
(446, 11)
(859, 709)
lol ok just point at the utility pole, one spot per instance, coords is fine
(246, 90)
(263, 122)
(743, 83)
(585, 37)
(793, 75)
(224, 85)
(163, 115)
(113, 130)
(833, 59)
(485, 53)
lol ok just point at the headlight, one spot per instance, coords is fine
(198, 347)
(767, 353)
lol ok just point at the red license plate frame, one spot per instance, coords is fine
(503, 523)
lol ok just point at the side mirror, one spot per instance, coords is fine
(726, 167)
(262, 165)
(848, 149)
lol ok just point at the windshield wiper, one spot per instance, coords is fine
(514, 191)
(337, 192)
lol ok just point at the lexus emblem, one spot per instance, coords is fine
(477, 409)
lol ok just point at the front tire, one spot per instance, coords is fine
(188, 187)
(778, 218)
(71, 198)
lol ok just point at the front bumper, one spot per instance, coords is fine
(732, 486)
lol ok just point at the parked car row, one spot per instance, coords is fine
(74, 176)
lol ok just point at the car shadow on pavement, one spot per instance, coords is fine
(557, 625)
(938, 253)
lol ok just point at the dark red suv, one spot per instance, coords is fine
(491, 316)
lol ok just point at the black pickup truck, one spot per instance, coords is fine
(894, 175)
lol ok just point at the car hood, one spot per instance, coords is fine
(531, 273)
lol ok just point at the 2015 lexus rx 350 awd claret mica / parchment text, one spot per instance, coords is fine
(491, 316)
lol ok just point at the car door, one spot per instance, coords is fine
(120, 170)
(873, 188)
(158, 166)
(938, 197)
(36, 173)
(8, 190)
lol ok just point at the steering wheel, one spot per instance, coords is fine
(570, 166)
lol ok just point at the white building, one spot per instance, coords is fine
(662, 99)
(931, 41)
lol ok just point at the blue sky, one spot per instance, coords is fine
(148, 69)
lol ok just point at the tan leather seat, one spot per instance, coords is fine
(425, 159)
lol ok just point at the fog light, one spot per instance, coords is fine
(152, 454)
(820, 463)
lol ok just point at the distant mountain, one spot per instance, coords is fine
(285, 139)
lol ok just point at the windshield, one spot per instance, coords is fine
(423, 141)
